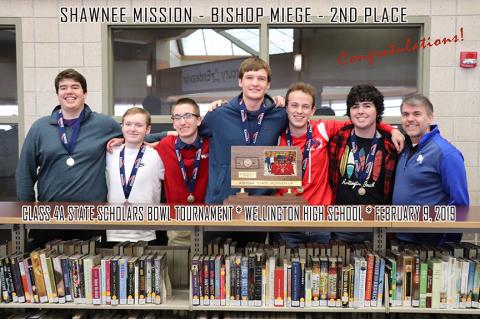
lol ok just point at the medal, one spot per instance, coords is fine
(70, 161)
(362, 191)
(69, 145)
(126, 202)
(300, 190)
(363, 169)
(306, 149)
(128, 184)
(251, 138)
(189, 182)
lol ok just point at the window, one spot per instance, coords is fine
(8, 113)
(323, 58)
(153, 67)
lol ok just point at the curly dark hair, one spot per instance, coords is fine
(366, 92)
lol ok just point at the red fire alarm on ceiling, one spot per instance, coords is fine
(468, 59)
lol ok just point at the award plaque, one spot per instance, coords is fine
(266, 167)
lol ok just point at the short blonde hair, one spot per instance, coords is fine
(138, 110)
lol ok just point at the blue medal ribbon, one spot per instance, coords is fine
(69, 145)
(127, 186)
(308, 145)
(244, 116)
(362, 172)
(190, 183)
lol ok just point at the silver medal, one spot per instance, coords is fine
(70, 161)
(362, 191)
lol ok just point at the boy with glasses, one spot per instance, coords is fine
(185, 158)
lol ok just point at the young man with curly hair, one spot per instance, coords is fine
(362, 155)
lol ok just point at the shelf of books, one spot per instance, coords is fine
(222, 275)
(177, 301)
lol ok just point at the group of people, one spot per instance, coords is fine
(360, 161)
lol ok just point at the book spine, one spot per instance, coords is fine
(308, 287)
(323, 282)
(296, 277)
(369, 279)
(258, 280)
(59, 282)
(136, 283)
(332, 282)
(315, 282)
(114, 299)
(278, 287)
(399, 280)
(381, 283)
(6, 292)
(416, 282)
(356, 285)
(108, 281)
(471, 278)
(423, 284)
(130, 283)
(17, 279)
(429, 295)
(142, 293)
(251, 279)
(27, 287)
(148, 279)
(222, 286)
(345, 290)
(218, 266)
(96, 286)
(376, 274)
(363, 280)
(39, 281)
(158, 280)
(195, 282)
(36, 297)
(289, 285)
(476, 286)
(46, 277)
(211, 268)
(244, 281)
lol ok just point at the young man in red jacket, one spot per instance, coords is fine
(312, 137)
(185, 158)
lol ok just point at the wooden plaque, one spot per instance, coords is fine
(266, 167)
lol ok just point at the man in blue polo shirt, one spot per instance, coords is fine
(430, 171)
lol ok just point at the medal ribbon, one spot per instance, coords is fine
(69, 145)
(244, 116)
(362, 172)
(190, 183)
(127, 186)
(308, 144)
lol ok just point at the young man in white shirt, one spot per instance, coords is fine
(134, 172)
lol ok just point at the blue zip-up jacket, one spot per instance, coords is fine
(434, 175)
(224, 128)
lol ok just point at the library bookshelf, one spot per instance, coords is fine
(181, 299)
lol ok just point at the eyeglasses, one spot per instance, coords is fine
(186, 117)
